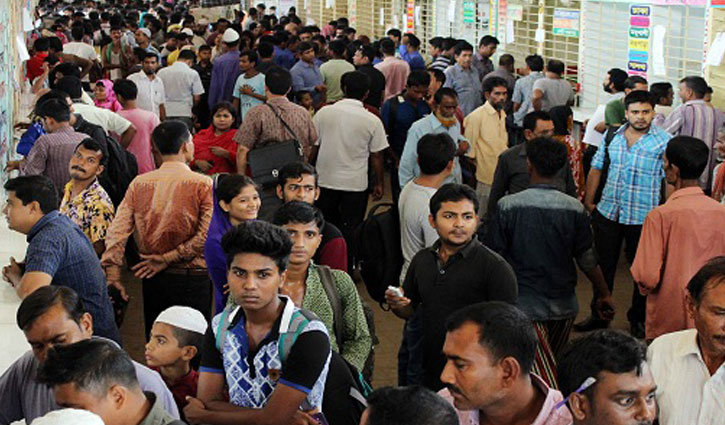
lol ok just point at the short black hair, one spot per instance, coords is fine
(394, 32)
(337, 48)
(506, 60)
(34, 188)
(258, 237)
(355, 85)
(439, 75)
(55, 44)
(95, 146)
(556, 66)
(632, 81)
(41, 44)
(689, 154)
(618, 77)
(151, 55)
(535, 63)
(442, 92)
(413, 41)
(387, 46)
(639, 96)
(463, 46)
(504, 330)
(170, 136)
(491, 83)
(126, 89)
(305, 46)
(448, 43)
(533, 117)
(712, 272)
(452, 192)
(435, 151)
(57, 109)
(278, 80)
(298, 212)
(600, 351)
(436, 42)
(409, 405)
(487, 40)
(251, 56)
(68, 69)
(265, 50)
(697, 84)
(560, 116)
(93, 365)
(418, 78)
(187, 338)
(546, 155)
(295, 170)
(230, 185)
(71, 85)
(368, 52)
(53, 94)
(204, 47)
(186, 54)
(77, 32)
(43, 299)
(660, 90)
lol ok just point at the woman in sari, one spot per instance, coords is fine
(215, 151)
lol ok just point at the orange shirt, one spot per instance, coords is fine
(678, 238)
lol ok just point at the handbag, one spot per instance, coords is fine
(265, 161)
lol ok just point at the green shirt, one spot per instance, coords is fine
(332, 72)
(614, 113)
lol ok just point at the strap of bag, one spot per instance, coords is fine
(294, 136)
(223, 326)
(328, 282)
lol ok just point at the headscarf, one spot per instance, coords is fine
(111, 103)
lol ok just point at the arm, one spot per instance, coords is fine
(127, 136)
(406, 170)
(242, 159)
(34, 163)
(593, 180)
(32, 281)
(536, 98)
(376, 158)
(162, 112)
(518, 96)
(119, 231)
(194, 246)
(649, 261)
(673, 122)
(357, 342)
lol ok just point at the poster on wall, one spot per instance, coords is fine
(469, 12)
(410, 15)
(566, 22)
(638, 40)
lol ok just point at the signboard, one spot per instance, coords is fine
(469, 12)
(410, 23)
(566, 22)
(638, 40)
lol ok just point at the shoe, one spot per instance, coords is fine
(637, 329)
(591, 323)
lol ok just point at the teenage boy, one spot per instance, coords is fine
(144, 121)
(249, 88)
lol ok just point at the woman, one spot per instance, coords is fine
(563, 119)
(236, 199)
(105, 97)
(215, 151)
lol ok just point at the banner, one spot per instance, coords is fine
(566, 22)
(638, 40)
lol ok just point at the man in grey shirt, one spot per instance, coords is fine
(552, 90)
(465, 79)
(524, 88)
(54, 315)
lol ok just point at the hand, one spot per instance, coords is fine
(194, 410)
(601, 127)
(45, 67)
(150, 266)
(395, 302)
(12, 165)
(220, 152)
(605, 308)
(590, 207)
(226, 289)
(118, 285)
(13, 273)
(378, 191)
(245, 89)
(463, 147)
(202, 165)
(303, 418)
(643, 289)
(321, 88)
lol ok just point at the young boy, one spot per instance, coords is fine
(304, 99)
(249, 88)
(174, 343)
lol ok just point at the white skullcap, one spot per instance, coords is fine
(69, 417)
(230, 36)
(188, 32)
(185, 318)
(146, 32)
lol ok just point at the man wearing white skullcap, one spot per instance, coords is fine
(69, 417)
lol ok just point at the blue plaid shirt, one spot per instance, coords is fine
(635, 176)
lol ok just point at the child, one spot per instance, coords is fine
(175, 341)
(304, 99)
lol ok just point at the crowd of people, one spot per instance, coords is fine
(228, 165)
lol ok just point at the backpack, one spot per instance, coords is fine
(378, 252)
(608, 136)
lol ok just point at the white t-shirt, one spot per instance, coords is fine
(110, 121)
(151, 93)
(416, 232)
(181, 84)
(347, 135)
(592, 136)
(82, 50)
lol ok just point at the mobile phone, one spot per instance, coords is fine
(320, 418)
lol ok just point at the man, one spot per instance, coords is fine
(395, 36)
(183, 88)
(34, 65)
(306, 75)
(623, 392)
(204, 68)
(631, 191)
(249, 87)
(80, 49)
(52, 151)
(486, 131)
(178, 202)
(552, 90)
(435, 157)
(457, 258)
(394, 69)
(84, 201)
(116, 56)
(58, 252)
(688, 365)
(151, 91)
(697, 119)
(505, 70)
(409, 406)
(524, 87)
(465, 79)
(435, 45)
(490, 349)
(342, 152)
(614, 113)
(442, 120)
(664, 96)
(98, 376)
(298, 182)
(282, 56)
(51, 316)
(333, 70)
(363, 61)
(411, 53)
(677, 238)
(265, 51)
(445, 59)
(235, 390)
(540, 232)
(482, 60)
(226, 70)
(144, 121)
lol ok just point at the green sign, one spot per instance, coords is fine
(566, 22)
(636, 32)
(469, 12)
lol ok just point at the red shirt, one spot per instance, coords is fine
(205, 139)
(185, 386)
(35, 65)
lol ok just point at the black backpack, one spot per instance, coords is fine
(379, 254)
(121, 169)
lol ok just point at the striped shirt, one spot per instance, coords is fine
(635, 174)
(51, 154)
(697, 119)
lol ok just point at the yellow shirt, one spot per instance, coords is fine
(485, 128)
(173, 56)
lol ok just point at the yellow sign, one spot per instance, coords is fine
(639, 44)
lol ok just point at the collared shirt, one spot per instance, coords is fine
(377, 85)
(111, 122)
(58, 247)
(677, 239)
(284, 58)
(305, 77)
(157, 415)
(51, 154)
(261, 125)
(540, 232)
(409, 169)
(396, 73)
(467, 83)
(686, 392)
(474, 274)
(548, 415)
(25, 398)
(151, 93)
(398, 124)
(697, 119)
(223, 76)
(635, 175)
(332, 72)
(346, 144)
(523, 91)
(416, 232)
(181, 84)
(92, 210)
(247, 102)
(556, 91)
(486, 130)
(168, 211)
(414, 59)
(482, 65)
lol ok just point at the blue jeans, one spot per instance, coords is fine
(410, 356)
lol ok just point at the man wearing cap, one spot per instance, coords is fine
(226, 70)
(143, 39)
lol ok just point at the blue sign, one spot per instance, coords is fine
(639, 55)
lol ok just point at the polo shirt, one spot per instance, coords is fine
(305, 77)
(251, 376)
(332, 72)
(474, 274)
(397, 126)
(181, 84)
(58, 247)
